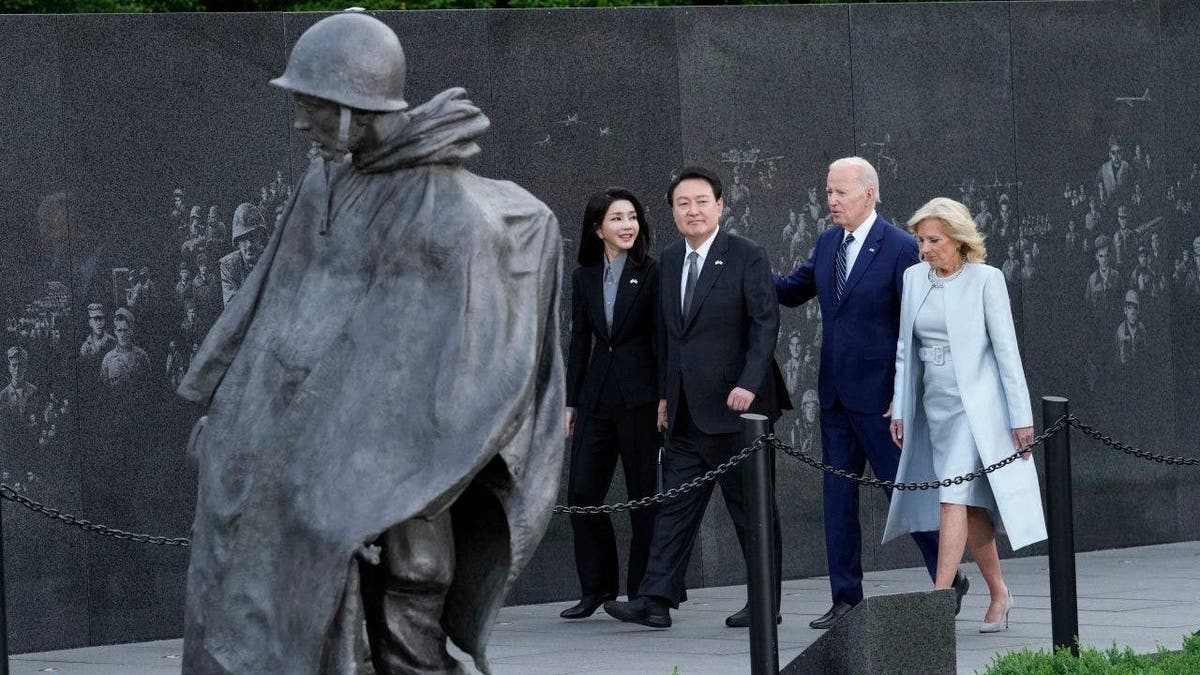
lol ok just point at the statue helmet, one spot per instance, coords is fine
(352, 59)
(247, 220)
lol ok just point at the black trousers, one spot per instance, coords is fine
(600, 439)
(691, 453)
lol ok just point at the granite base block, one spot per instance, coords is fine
(895, 634)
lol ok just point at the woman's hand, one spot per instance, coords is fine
(1023, 438)
(897, 428)
(570, 422)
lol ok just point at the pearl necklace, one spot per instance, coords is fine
(939, 282)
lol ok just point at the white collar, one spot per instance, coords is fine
(704, 248)
(860, 234)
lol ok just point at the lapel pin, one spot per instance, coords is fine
(870, 250)
(633, 281)
(718, 262)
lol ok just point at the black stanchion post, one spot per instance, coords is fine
(760, 560)
(3, 609)
(1060, 526)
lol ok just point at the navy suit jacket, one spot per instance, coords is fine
(623, 357)
(727, 340)
(858, 348)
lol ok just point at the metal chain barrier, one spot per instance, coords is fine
(762, 442)
(759, 443)
(1107, 440)
(1060, 424)
(86, 525)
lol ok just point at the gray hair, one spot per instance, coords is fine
(867, 176)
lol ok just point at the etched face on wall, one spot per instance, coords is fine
(1131, 313)
(123, 332)
(14, 369)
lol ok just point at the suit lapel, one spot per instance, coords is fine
(670, 265)
(952, 295)
(825, 269)
(866, 255)
(628, 287)
(714, 264)
(595, 292)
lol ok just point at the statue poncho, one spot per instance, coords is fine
(404, 359)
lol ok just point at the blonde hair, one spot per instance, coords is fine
(956, 223)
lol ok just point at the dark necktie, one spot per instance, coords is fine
(840, 266)
(690, 287)
(610, 294)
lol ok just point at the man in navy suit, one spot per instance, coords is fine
(718, 324)
(856, 271)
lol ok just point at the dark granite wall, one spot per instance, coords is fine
(1013, 105)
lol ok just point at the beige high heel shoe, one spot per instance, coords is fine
(1002, 624)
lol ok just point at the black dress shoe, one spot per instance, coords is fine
(831, 617)
(646, 611)
(961, 585)
(741, 618)
(586, 606)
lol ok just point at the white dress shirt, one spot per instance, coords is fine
(860, 235)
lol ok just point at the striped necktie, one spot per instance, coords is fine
(840, 265)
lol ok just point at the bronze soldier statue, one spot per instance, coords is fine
(383, 438)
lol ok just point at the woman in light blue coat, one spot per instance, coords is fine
(960, 404)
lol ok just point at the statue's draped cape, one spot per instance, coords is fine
(405, 359)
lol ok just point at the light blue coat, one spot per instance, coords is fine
(987, 365)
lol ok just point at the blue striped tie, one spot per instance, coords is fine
(840, 266)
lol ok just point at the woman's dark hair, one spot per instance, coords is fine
(591, 247)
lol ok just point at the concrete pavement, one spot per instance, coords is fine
(1142, 597)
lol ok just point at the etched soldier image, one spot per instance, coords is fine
(1104, 284)
(806, 428)
(1142, 279)
(351, 447)
(1191, 274)
(178, 215)
(183, 285)
(983, 219)
(206, 290)
(197, 239)
(177, 363)
(140, 293)
(1011, 267)
(1123, 240)
(1132, 341)
(99, 341)
(215, 230)
(126, 364)
(249, 235)
(794, 364)
(20, 398)
(1114, 173)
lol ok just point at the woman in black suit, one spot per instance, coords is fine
(612, 390)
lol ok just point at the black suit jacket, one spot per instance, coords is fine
(625, 358)
(728, 339)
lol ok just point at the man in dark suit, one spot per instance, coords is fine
(856, 272)
(718, 326)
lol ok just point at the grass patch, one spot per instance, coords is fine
(1091, 661)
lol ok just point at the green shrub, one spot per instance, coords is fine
(1112, 661)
